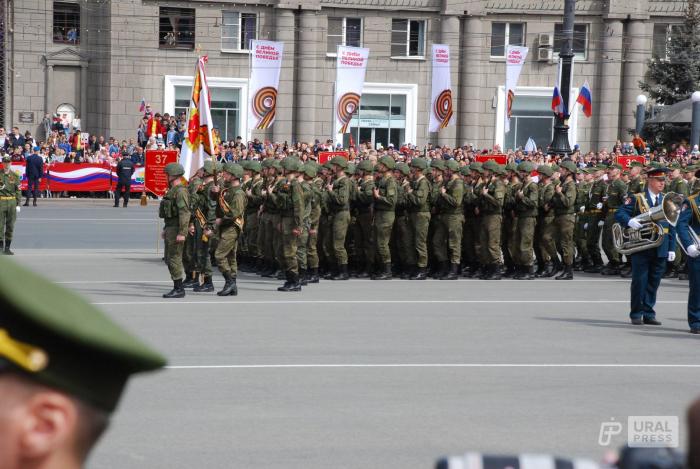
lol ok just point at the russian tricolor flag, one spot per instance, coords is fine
(584, 99)
(557, 103)
(142, 106)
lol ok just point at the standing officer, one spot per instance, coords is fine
(289, 198)
(63, 368)
(34, 171)
(447, 237)
(689, 219)
(385, 196)
(339, 207)
(564, 217)
(526, 200)
(649, 265)
(10, 198)
(230, 210)
(418, 207)
(175, 211)
(125, 169)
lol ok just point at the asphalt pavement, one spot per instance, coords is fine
(361, 374)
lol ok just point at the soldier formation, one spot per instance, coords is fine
(302, 222)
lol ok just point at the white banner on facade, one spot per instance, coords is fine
(350, 79)
(515, 58)
(266, 62)
(441, 106)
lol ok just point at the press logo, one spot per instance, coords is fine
(607, 431)
(652, 431)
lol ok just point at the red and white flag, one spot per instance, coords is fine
(198, 144)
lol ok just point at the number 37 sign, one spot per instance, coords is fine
(156, 181)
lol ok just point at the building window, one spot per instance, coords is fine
(237, 30)
(580, 40)
(381, 120)
(407, 38)
(176, 28)
(503, 34)
(66, 23)
(344, 32)
(225, 108)
(532, 118)
(663, 32)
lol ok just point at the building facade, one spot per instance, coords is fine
(95, 60)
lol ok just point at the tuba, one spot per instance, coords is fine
(651, 234)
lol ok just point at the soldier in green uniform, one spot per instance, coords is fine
(584, 182)
(418, 208)
(509, 224)
(175, 211)
(312, 245)
(254, 198)
(327, 260)
(64, 366)
(289, 197)
(525, 207)
(364, 208)
(564, 202)
(545, 222)
(594, 210)
(615, 198)
(339, 206)
(491, 201)
(230, 209)
(470, 233)
(265, 227)
(447, 237)
(694, 180)
(385, 195)
(194, 187)
(202, 227)
(10, 199)
(402, 231)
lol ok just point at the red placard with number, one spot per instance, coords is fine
(325, 156)
(626, 160)
(500, 159)
(156, 181)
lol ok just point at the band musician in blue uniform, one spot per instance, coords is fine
(688, 220)
(649, 265)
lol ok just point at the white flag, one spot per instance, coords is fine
(265, 68)
(198, 143)
(530, 146)
(441, 107)
(515, 58)
(351, 66)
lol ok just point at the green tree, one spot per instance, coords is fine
(675, 77)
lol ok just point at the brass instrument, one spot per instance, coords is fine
(693, 236)
(226, 208)
(650, 236)
(202, 220)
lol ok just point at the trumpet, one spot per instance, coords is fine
(651, 234)
(693, 237)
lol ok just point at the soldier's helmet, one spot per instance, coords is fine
(419, 163)
(209, 168)
(340, 162)
(234, 169)
(452, 165)
(174, 170)
(387, 161)
(291, 164)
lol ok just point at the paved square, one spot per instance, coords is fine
(362, 374)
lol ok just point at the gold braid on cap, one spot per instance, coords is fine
(26, 356)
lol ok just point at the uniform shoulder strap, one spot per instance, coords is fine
(642, 202)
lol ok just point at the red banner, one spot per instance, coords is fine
(79, 177)
(500, 159)
(626, 160)
(156, 181)
(325, 156)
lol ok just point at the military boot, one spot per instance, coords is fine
(613, 268)
(593, 269)
(510, 271)
(526, 273)
(492, 272)
(230, 287)
(408, 272)
(342, 273)
(547, 271)
(453, 274)
(191, 280)
(177, 291)
(567, 273)
(302, 277)
(385, 274)
(206, 287)
(292, 283)
(421, 274)
(6, 249)
(313, 276)
(26, 204)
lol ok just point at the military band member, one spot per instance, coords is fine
(230, 210)
(688, 220)
(565, 219)
(10, 199)
(596, 219)
(648, 265)
(616, 192)
(175, 211)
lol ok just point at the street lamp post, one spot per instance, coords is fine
(560, 142)
(639, 116)
(695, 120)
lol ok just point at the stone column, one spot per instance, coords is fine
(284, 32)
(609, 97)
(83, 92)
(636, 38)
(307, 127)
(450, 36)
(48, 95)
(470, 106)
